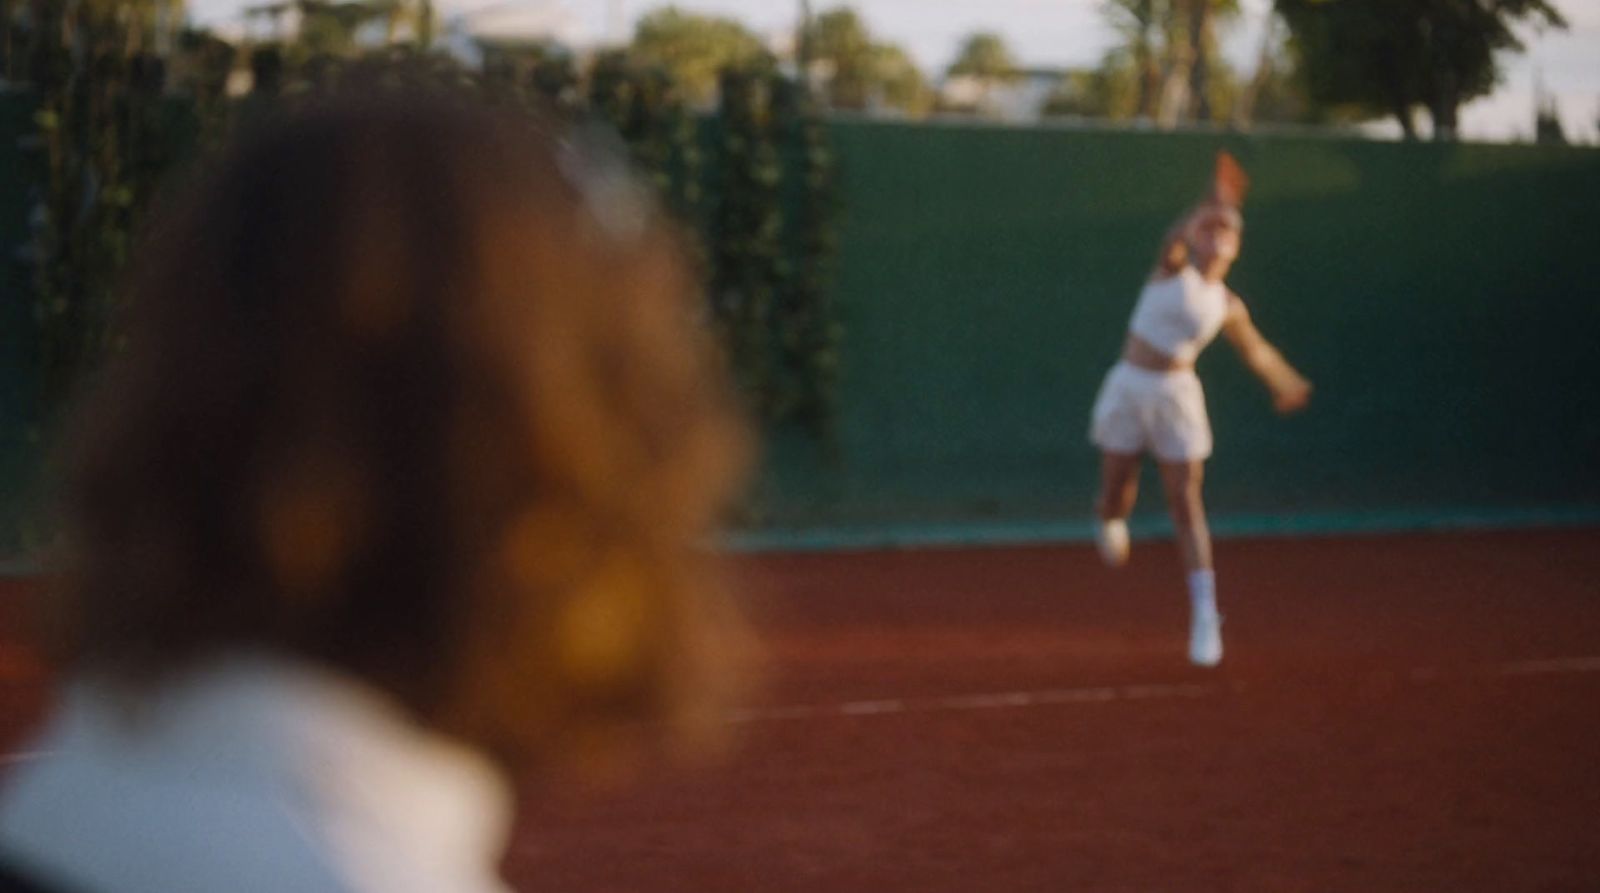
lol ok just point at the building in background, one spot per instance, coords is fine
(472, 34)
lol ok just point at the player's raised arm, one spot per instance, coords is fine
(1229, 185)
(1290, 390)
(1174, 254)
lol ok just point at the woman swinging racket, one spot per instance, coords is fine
(1152, 401)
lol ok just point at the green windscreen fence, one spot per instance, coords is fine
(1444, 299)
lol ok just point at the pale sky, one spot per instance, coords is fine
(1057, 33)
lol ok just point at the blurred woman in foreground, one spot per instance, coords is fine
(396, 493)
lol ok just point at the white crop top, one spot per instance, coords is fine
(1180, 315)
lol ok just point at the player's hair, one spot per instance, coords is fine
(1207, 210)
(411, 391)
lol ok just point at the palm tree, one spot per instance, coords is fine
(1203, 16)
(1139, 23)
(1171, 43)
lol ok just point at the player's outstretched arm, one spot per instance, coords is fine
(1229, 185)
(1290, 390)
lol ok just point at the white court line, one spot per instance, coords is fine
(995, 701)
(1143, 692)
(872, 708)
(1099, 694)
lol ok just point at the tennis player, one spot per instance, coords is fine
(1152, 401)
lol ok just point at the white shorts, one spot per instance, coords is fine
(1163, 413)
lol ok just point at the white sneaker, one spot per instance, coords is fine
(1205, 638)
(1111, 538)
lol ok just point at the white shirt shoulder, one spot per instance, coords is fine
(254, 775)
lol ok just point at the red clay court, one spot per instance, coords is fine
(1409, 713)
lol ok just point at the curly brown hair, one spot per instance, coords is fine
(412, 390)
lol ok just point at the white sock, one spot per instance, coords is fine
(1203, 591)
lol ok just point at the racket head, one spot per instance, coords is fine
(1229, 180)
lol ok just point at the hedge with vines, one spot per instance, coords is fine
(755, 182)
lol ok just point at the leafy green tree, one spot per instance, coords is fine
(838, 41)
(1142, 27)
(1168, 54)
(861, 71)
(984, 60)
(901, 81)
(984, 56)
(1202, 58)
(1379, 57)
(694, 48)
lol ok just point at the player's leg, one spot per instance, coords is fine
(1117, 428)
(1181, 482)
(1119, 489)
